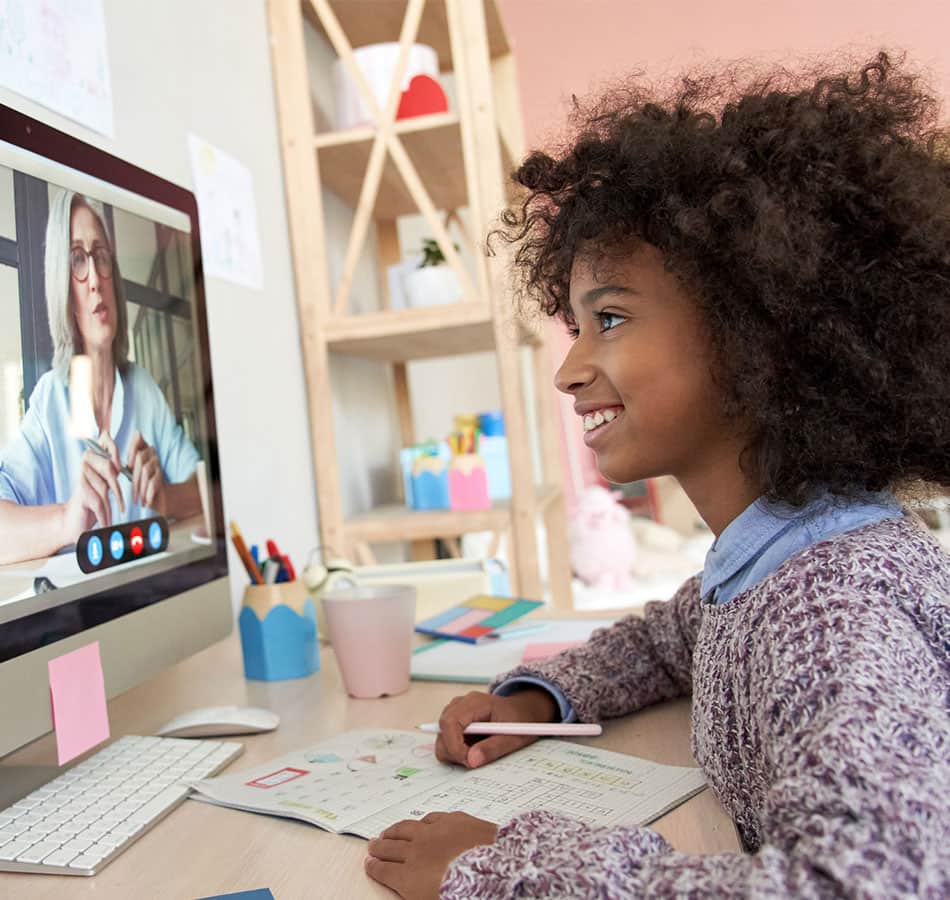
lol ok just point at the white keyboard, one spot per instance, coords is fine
(80, 821)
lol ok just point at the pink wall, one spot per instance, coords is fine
(571, 46)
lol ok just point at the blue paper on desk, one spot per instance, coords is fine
(477, 618)
(259, 894)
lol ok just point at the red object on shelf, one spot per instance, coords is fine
(424, 97)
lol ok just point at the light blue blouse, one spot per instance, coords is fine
(752, 546)
(41, 464)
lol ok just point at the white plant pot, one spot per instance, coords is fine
(432, 286)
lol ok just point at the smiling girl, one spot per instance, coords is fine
(757, 281)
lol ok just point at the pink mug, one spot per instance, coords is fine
(370, 628)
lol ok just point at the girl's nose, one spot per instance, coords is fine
(576, 371)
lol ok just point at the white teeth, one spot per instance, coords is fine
(595, 420)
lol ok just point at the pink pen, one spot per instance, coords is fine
(527, 729)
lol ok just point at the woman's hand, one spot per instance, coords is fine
(90, 500)
(148, 481)
(529, 704)
(411, 857)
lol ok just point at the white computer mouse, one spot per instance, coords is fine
(216, 721)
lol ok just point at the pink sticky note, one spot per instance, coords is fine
(77, 693)
(534, 652)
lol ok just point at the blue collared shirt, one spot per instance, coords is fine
(752, 546)
(755, 543)
(41, 464)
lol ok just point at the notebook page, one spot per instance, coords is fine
(596, 786)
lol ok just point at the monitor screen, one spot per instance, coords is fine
(109, 484)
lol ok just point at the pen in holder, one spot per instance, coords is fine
(278, 625)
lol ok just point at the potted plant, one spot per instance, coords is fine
(433, 282)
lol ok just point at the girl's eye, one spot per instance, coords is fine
(608, 320)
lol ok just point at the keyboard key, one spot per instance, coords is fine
(125, 829)
(37, 852)
(61, 836)
(28, 820)
(58, 817)
(159, 803)
(79, 845)
(14, 848)
(60, 857)
(86, 861)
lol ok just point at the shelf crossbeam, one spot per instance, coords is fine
(386, 140)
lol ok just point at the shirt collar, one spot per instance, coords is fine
(743, 539)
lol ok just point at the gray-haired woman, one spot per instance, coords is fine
(52, 487)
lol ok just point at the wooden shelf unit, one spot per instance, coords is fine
(434, 166)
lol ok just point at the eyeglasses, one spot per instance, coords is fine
(79, 262)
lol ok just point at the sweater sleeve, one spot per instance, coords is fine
(854, 800)
(635, 662)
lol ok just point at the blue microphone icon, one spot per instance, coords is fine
(94, 550)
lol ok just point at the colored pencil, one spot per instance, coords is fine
(253, 572)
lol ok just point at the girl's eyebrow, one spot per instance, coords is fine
(608, 289)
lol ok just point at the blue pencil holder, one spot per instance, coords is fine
(426, 475)
(278, 625)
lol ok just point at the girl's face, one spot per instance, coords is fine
(639, 372)
(92, 293)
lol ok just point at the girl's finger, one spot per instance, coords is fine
(388, 849)
(401, 831)
(391, 874)
(494, 747)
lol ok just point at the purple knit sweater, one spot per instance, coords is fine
(821, 718)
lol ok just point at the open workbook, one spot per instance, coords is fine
(361, 782)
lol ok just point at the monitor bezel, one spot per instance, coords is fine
(23, 131)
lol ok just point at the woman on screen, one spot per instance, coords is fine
(52, 485)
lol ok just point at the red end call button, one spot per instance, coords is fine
(137, 541)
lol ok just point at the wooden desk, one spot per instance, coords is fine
(202, 850)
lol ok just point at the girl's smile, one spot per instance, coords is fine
(597, 422)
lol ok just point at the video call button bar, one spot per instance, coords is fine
(103, 548)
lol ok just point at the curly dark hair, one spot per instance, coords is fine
(809, 217)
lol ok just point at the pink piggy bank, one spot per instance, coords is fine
(602, 546)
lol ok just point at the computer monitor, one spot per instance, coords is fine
(103, 344)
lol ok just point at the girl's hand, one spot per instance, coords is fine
(411, 857)
(90, 500)
(148, 481)
(529, 704)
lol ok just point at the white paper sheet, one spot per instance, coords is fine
(230, 247)
(480, 663)
(363, 781)
(54, 52)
